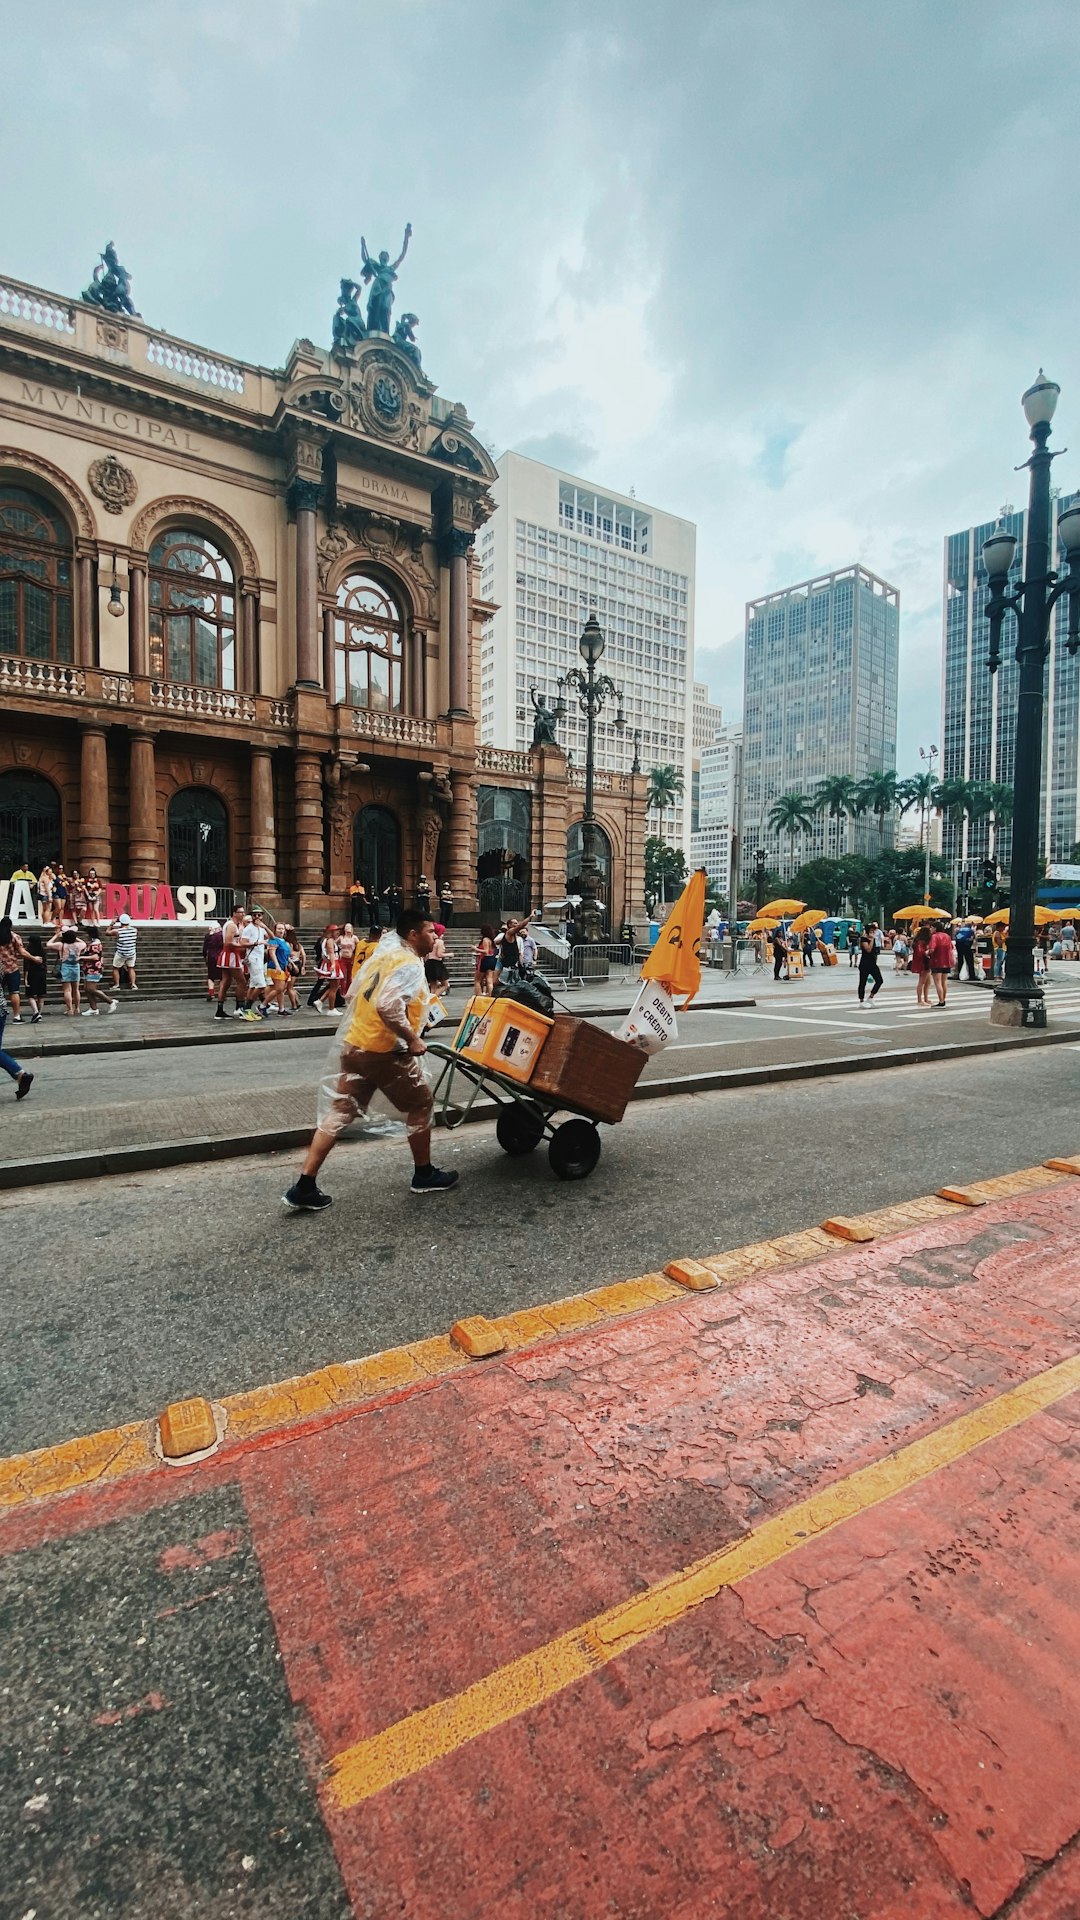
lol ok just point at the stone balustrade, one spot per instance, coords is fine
(19, 675)
(33, 309)
(202, 702)
(191, 365)
(406, 728)
(603, 781)
(501, 760)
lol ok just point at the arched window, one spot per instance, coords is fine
(369, 646)
(192, 611)
(503, 832)
(377, 849)
(35, 578)
(29, 822)
(198, 839)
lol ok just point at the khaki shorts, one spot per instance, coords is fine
(399, 1077)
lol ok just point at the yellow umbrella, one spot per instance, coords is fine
(1044, 917)
(762, 926)
(783, 907)
(921, 913)
(674, 959)
(811, 918)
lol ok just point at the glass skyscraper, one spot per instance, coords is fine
(820, 681)
(979, 709)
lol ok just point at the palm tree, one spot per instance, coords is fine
(956, 798)
(665, 788)
(793, 813)
(878, 794)
(838, 796)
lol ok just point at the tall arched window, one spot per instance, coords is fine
(29, 822)
(377, 849)
(35, 578)
(198, 839)
(369, 646)
(192, 611)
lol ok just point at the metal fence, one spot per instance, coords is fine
(619, 960)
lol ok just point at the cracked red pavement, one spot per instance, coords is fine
(881, 1723)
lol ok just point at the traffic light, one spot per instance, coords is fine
(989, 873)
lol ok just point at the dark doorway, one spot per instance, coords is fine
(29, 822)
(377, 849)
(503, 873)
(198, 840)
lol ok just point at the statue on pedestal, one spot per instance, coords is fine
(381, 273)
(349, 327)
(543, 721)
(111, 285)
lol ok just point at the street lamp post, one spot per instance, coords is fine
(1018, 997)
(593, 691)
(929, 754)
(759, 877)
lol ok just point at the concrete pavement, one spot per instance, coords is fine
(753, 1602)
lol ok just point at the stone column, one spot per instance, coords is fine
(458, 543)
(144, 852)
(458, 848)
(95, 837)
(328, 651)
(304, 501)
(262, 860)
(138, 638)
(248, 681)
(84, 640)
(309, 823)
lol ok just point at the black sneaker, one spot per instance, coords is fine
(26, 1081)
(433, 1180)
(220, 1014)
(306, 1197)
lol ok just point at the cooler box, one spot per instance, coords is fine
(586, 1069)
(475, 1008)
(828, 954)
(506, 1037)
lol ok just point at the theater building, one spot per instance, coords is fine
(240, 625)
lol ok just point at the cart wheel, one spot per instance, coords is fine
(574, 1149)
(518, 1129)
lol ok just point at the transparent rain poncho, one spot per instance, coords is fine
(389, 1093)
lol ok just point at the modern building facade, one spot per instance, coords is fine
(706, 720)
(240, 623)
(556, 550)
(978, 726)
(820, 689)
(716, 842)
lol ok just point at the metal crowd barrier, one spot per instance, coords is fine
(600, 962)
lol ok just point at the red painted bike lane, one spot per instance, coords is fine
(763, 1601)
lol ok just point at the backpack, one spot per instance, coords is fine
(532, 991)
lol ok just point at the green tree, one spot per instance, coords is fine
(793, 814)
(821, 883)
(956, 798)
(918, 791)
(663, 864)
(895, 880)
(877, 795)
(665, 789)
(838, 796)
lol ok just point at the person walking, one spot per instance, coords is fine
(901, 953)
(13, 957)
(1068, 941)
(381, 1053)
(70, 948)
(231, 970)
(297, 965)
(852, 946)
(123, 960)
(487, 961)
(997, 948)
(965, 952)
(869, 963)
(809, 945)
(446, 905)
(779, 952)
(91, 966)
(253, 944)
(37, 978)
(920, 966)
(940, 954)
(277, 970)
(23, 1080)
(328, 972)
(212, 947)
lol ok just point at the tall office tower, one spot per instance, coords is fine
(706, 721)
(820, 678)
(555, 551)
(715, 843)
(979, 709)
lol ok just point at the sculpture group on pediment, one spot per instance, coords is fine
(381, 275)
(349, 328)
(111, 285)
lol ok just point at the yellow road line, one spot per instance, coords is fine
(411, 1744)
(92, 1459)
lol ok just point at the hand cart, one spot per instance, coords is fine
(526, 1109)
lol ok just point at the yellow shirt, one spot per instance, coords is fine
(392, 980)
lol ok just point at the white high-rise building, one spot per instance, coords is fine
(556, 550)
(714, 844)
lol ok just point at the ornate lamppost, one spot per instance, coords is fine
(1018, 997)
(593, 691)
(929, 754)
(759, 877)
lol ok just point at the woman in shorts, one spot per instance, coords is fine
(70, 948)
(37, 978)
(13, 957)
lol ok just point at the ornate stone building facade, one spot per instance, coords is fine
(240, 626)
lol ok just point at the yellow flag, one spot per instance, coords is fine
(674, 959)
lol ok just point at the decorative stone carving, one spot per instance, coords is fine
(435, 800)
(458, 450)
(333, 547)
(384, 398)
(112, 335)
(58, 480)
(339, 808)
(176, 507)
(112, 483)
(397, 543)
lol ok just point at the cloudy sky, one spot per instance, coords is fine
(782, 266)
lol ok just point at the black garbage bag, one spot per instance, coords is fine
(528, 989)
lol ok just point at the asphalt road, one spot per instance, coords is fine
(126, 1293)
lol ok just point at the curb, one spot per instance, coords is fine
(333, 1392)
(49, 1170)
(243, 1035)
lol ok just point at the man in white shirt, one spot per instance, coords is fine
(253, 942)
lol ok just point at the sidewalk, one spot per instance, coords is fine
(753, 1601)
